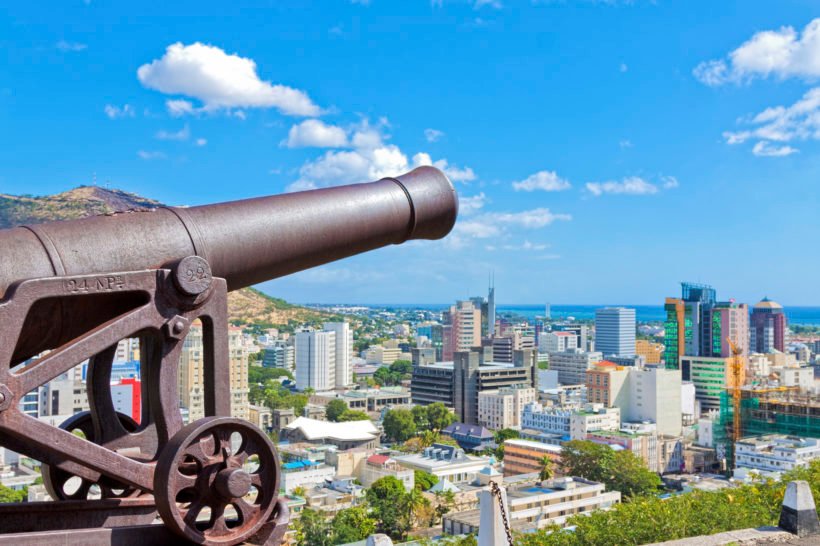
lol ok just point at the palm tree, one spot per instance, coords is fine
(546, 471)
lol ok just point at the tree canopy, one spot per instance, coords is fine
(399, 425)
(390, 505)
(619, 470)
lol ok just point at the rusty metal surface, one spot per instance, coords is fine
(72, 290)
(245, 242)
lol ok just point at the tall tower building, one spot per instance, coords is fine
(699, 300)
(192, 374)
(465, 319)
(768, 327)
(674, 337)
(344, 352)
(615, 331)
(730, 320)
(491, 310)
(315, 360)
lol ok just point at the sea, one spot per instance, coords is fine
(644, 313)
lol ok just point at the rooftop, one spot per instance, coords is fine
(534, 445)
(313, 429)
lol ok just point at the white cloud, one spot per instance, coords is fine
(335, 275)
(526, 245)
(201, 142)
(783, 53)
(669, 182)
(623, 67)
(633, 185)
(495, 4)
(472, 204)
(315, 133)
(797, 122)
(625, 143)
(220, 81)
(765, 149)
(534, 218)
(369, 158)
(115, 112)
(149, 155)
(433, 135)
(63, 45)
(182, 134)
(542, 180)
(178, 107)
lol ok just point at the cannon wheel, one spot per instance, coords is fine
(216, 481)
(56, 479)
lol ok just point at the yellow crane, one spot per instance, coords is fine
(737, 376)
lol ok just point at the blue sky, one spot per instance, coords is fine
(603, 150)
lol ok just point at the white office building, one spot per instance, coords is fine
(572, 365)
(315, 360)
(553, 342)
(502, 408)
(344, 352)
(615, 331)
(772, 454)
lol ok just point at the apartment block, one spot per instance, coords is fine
(572, 365)
(502, 408)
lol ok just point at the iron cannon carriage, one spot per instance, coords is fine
(72, 290)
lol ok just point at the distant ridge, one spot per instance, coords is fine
(246, 306)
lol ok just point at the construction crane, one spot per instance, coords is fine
(737, 376)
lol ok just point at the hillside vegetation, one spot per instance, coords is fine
(246, 306)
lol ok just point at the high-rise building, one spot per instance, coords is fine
(465, 319)
(491, 310)
(674, 337)
(615, 331)
(553, 342)
(315, 360)
(579, 330)
(768, 327)
(502, 408)
(572, 365)
(699, 300)
(344, 352)
(280, 354)
(192, 374)
(730, 320)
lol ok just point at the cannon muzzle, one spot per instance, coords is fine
(245, 242)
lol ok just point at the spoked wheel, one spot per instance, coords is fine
(216, 481)
(62, 485)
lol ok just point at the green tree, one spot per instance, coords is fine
(352, 524)
(399, 425)
(420, 417)
(334, 409)
(619, 470)
(439, 416)
(353, 415)
(312, 529)
(631, 477)
(424, 480)
(7, 494)
(505, 434)
(445, 502)
(546, 471)
(402, 367)
(390, 505)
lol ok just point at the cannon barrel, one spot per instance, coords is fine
(245, 242)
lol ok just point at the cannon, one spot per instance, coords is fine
(72, 290)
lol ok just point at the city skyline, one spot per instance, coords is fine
(695, 139)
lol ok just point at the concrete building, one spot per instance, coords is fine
(557, 342)
(709, 375)
(385, 354)
(768, 327)
(651, 394)
(651, 352)
(525, 456)
(773, 454)
(580, 331)
(534, 505)
(802, 377)
(469, 437)
(347, 435)
(192, 374)
(662, 454)
(445, 462)
(365, 399)
(379, 466)
(572, 365)
(615, 331)
(570, 424)
(305, 474)
(472, 376)
(344, 352)
(465, 319)
(730, 320)
(315, 360)
(502, 408)
(280, 353)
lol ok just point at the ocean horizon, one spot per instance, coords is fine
(808, 315)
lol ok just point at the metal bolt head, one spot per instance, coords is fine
(192, 275)
(6, 398)
(179, 326)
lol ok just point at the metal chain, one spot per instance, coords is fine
(496, 492)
